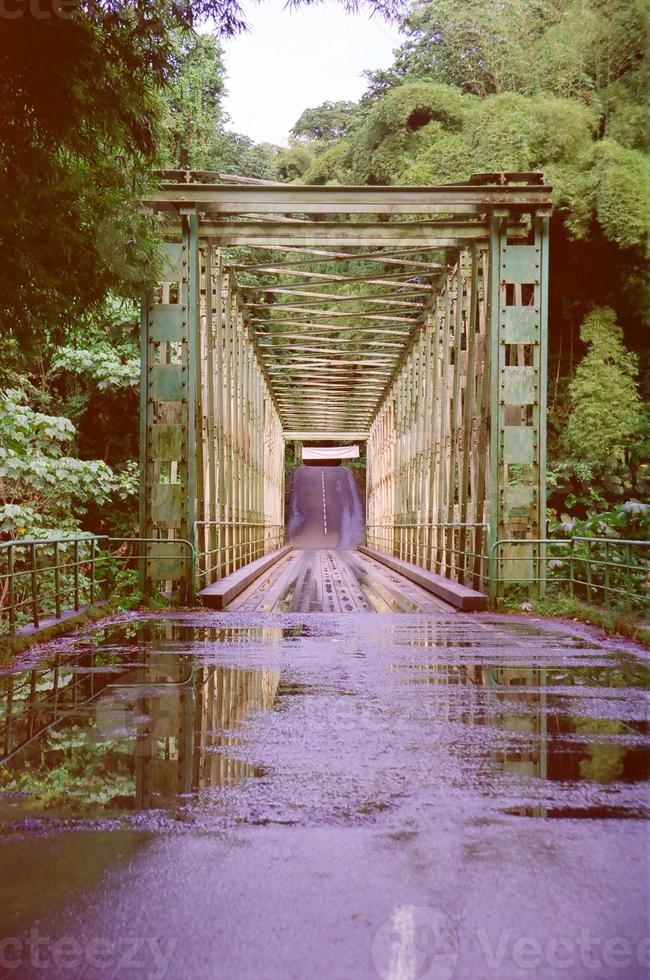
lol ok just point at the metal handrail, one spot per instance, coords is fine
(543, 574)
(460, 556)
(60, 581)
(236, 542)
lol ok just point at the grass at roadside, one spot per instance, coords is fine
(614, 622)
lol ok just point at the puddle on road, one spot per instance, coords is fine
(477, 633)
(544, 721)
(143, 716)
(129, 722)
(580, 813)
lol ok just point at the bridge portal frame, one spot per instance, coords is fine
(452, 395)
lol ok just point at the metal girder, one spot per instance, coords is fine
(334, 354)
(346, 314)
(336, 328)
(277, 341)
(269, 234)
(380, 299)
(311, 436)
(319, 256)
(282, 199)
(389, 279)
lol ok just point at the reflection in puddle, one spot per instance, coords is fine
(142, 715)
(540, 712)
(127, 725)
(580, 813)
(478, 634)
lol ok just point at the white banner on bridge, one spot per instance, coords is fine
(330, 452)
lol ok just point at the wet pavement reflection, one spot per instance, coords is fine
(138, 716)
(128, 722)
(432, 736)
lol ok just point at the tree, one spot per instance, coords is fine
(605, 406)
(81, 111)
(78, 133)
(194, 117)
(482, 48)
(328, 121)
(399, 125)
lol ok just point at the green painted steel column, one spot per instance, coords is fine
(518, 301)
(147, 302)
(493, 366)
(542, 239)
(191, 241)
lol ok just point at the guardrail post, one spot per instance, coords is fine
(34, 576)
(92, 571)
(628, 576)
(493, 585)
(76, 575)
(572, 567)
(57, 580)
(12, 588)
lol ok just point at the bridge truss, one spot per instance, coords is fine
(411, 318)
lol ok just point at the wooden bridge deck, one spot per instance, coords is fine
(324, 580)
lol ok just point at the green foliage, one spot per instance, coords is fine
(479, 47)
(445, 157)
(329, 121)
(294, 161)
(396, 128)
(513, 132)
(332, 166)
(77, 770)
(193, 117)
(42, 490)
(570, 48)
(79, 114)
(110, 367)
(630, 520)
(623, 194)
(240, 155)
(605, 408)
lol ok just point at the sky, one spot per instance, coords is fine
(291, 60)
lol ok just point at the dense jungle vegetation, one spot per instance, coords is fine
(99, 99)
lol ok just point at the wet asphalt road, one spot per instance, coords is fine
(290, 796)
(325, 508)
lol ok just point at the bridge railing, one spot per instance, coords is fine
(44, 578)
(224, 546)
(609, 572)
(457, 550)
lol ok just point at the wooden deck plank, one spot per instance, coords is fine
(419, 599)
(331, 580)
(223, 591)
(460, 596)
(262, 594)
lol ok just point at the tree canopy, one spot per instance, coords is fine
(94, 101)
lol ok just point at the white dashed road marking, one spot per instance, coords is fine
(322, 479)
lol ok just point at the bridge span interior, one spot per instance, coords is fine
(410, 319)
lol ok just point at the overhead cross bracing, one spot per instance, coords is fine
(335, 280)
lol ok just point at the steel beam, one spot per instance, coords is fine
(326, 436)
